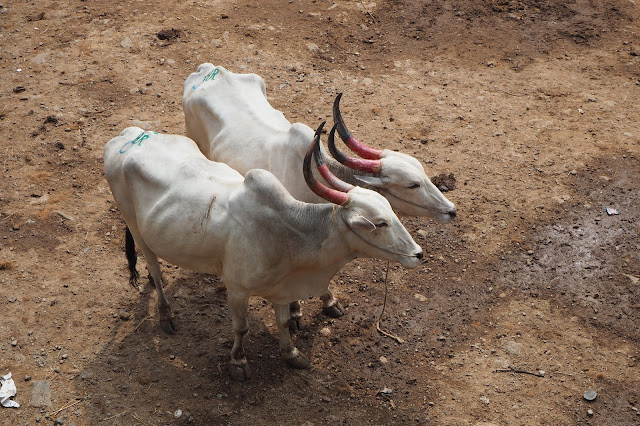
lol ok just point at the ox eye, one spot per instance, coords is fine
(381, 224)
(414, 186)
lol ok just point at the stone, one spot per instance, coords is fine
(126, 43)
(41, 393)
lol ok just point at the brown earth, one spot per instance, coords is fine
(532, 105)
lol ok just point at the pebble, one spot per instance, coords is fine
(12, 299)
(589, 412)
(313, 47)
(14, 343)
(325, 331)
(41, 394)
(420, 297)
(177, 414)
(383, 359)
(590, 395)
(125, 316)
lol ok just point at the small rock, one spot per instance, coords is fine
(177, 414)
(19, 89)
(41, 394)
(313, 47)
(126, 43)
(14, 343)
(325, 331)
(12, 299)
(383, 359)
(420, 297)
(590, 395)
(634, 280)
(27, 378)
(589, 412)
(386, 391)
(125, 316)
(484, 399)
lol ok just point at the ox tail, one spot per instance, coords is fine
(132, 258)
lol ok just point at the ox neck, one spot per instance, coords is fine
(322, 232)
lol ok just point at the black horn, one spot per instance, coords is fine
(333, 195)
(354, 145)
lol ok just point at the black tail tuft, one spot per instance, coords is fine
(132, 259)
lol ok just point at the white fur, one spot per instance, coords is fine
(207, 217)
(231, 120)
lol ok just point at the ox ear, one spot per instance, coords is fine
(362, 222)
(373, 180)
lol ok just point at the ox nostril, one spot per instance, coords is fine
(419, 255)
(452, 213)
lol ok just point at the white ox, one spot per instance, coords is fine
(229, 117)
(205, 216)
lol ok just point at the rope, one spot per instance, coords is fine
(384, 304)
(386, 288)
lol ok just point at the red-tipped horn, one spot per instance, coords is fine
(329, 194)
(369, 166)
(328, 176)
(354, 144)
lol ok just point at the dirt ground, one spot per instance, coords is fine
(532, 105)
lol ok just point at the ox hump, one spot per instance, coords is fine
(266, 187)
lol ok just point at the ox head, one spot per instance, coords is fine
(373, 228)
(399, 177)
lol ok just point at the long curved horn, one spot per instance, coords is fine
(328, 176)
(329, 194)
(369, 166)
(354, 144)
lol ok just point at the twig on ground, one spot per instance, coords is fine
(368, 11)
(143, 320)
(516, 370)
(384, 304)
(68, 405)
(114, 416)
(139, 419)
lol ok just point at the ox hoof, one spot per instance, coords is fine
(169, 325)
(294, 323)
(334, 311)
(299, 361)
(240, 373)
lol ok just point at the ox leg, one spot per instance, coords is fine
(167, 320)
(295, 313)
(292, 355)
(238, 366)
(330, 305)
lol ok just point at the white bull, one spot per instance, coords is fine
(229, 117)
(205, 216)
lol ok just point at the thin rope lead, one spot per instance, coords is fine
(384, 304)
